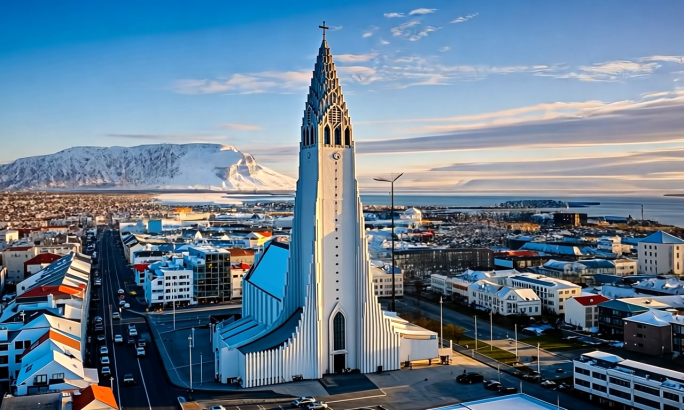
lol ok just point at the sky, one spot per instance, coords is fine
(492, 97)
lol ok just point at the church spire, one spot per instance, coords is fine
(326, 118)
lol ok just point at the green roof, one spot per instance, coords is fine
(623, 306)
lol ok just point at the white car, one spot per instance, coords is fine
(104, 350)
(118, 339)
(140, 351)
(116, 315)
(104, 360)
(105, 371)
(217, 407)
(98, 282)
(303, 401)
(122, 302)
(317, 405)
(121, 292)
(127, 306)
(132, 332)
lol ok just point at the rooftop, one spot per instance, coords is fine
(662, 237)
(590, 300)
(515, 401)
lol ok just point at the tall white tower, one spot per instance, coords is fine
(329, 262)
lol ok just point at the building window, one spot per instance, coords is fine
(647, 389)
(600, 376)
(347, 138)
(4, 347)
(326, 135)
(582, 371)
(57, 376)
(619, 393)
(582, 382)
(40, 379)
(338, 136)
(646, 402)
(671, 396)
(598, 387)
(338, 330)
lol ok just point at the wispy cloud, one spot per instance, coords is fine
(359, 74)
(443, 49)
(463, 19)
(239, 127)
(354, 58)
(335, 28)
(394, 15)
(421, 11)
(264, 82)
(411, 32)
(617, 70)
(384, 42)
(369, 33)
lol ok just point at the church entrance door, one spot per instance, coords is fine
(340, 362)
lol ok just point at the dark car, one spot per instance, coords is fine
(470, 378)
(504, 391)
(128, 380)
(99, 328)
(142, 342)
(131, 340)
(532, 377)
(492, 385)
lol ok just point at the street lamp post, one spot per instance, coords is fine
(391, 182)
(190, 349)
(516, 342)
(538, 360)
(491, 332)
(475, 332)
(441, 324)
(201, 363)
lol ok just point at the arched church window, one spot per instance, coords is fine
(338, 332)
(313, 136)
(327, 135)
(338, 136)
(347, 136)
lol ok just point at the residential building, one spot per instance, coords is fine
(504, 300)
(583, 312)
(13, 259)
(649, 332)
(169, 282)
(423, 262)
(45, 401)
(569, 219)
(625, 266)
(614, 382)
(39, 262)
(382, 282)
(612, 312)
(61, 249)
(519, 260)
(576, 271)
(147, 255)
(552, 292)
(212, 277)
(238, 271)
(7, 236)
(661, 253)
(242, 255)
(94, 398)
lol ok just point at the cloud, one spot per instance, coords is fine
(421, 11)
(354, 58)
(384, 42)
(464, 18)
(239, 127)
(443, 49)
(408, 32)
(335, 28)
(617, 70)
(369, 33)
(621, 123)
(359, 74)
(393, 15)
(254, 83)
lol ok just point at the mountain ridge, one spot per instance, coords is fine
(202, 166)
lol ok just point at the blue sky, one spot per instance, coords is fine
(467, 96)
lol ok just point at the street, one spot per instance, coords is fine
(152, 390)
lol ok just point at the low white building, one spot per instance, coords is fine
(661, 253)
(382, 283)
(457, 286)
(504, 300)
(553, 292)
(624, 267)
(13, 259)
(582, 311)
(168, 282)
(7, 236)
(615, 382)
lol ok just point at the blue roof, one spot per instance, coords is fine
(554, 249)
(662, 237)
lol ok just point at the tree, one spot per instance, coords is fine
(418, 284)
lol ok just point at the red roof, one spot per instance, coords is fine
(51, 290)
(591, 300)
(41, 258)
(518, 253)
(240, 252)
(240, 266)
(141, 267)
(93, 393)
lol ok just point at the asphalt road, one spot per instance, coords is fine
(152, 390)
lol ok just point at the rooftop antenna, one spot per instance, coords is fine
(22, 314)
(642, 212)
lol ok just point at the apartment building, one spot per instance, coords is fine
(583, 312)
(661, 253)
(168, 282)
(552, 292)
(382, 283)
(212, 276)
(457, 286)
(616, 383)
(13, 259)
(504, 300)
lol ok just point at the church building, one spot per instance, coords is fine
(309, 306)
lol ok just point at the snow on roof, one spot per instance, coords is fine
(608, 357)
(514, 401)
(652, 317)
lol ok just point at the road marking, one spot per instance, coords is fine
(116, 369)
(144, 386)
(358, 398)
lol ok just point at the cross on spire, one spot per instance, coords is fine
(324, 28)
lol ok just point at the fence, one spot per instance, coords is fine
(486, 360)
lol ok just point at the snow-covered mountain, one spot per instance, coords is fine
(152, 167)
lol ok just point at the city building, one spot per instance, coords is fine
(211, 269)
(7, 236)
(39, 262)
(583, 312)
(625, 266)
(617, 383)
(321, 316)
(514, 401)
(553, 292)
(13, 259)
(238, 272)
(661, 253)
(660, 286)
(504, 300)
(519, 260)
(422, 262)
(576, 271)
(242, 255)
(169, 282)
(650, 332)
(456, 287)
(569, 219)
(382, 282)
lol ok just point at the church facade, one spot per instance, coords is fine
(309, 307)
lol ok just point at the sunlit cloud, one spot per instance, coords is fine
(239, 127)
(354, 58)
(463, 19)
(421, 11)
(255, 83)
(393, 15)
(369, 33)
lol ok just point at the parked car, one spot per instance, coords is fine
(132, 332)
(104, 350)
(97, 319)
(492, 385)
(116, 315)
(532, 377)
(128, 380)
(101, 338)
(140, 351)
(98, 282)
(565, 387)
(122, 302)
(217, 407)
(121, 292)
(470, 378)
(504, 391)
(548, 384)
(127, 306)
(317, 405)
(303, 401)
(104, 359)
(105, 371)
(118, 339)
